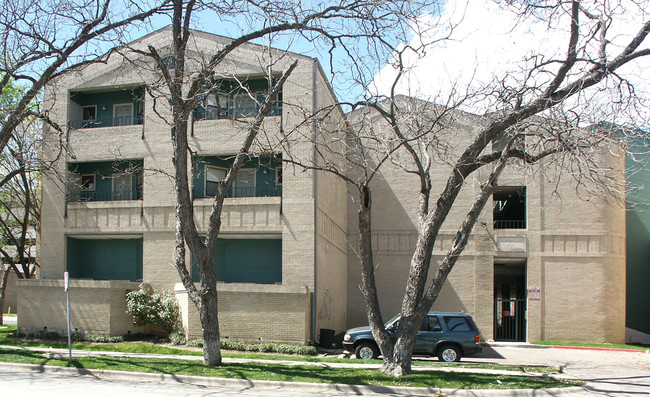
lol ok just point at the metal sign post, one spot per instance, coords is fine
(66, 285)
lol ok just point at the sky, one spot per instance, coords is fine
(487, 42)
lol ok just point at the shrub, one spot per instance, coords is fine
(176, 338)
(281, 348)
(44, 334)
(132, 337)
(103, 339)
(153, 307)
(194, 343)
(77, 336)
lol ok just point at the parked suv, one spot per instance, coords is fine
(449, 336)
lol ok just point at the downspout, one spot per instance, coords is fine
(315, 196)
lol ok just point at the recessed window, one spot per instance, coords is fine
(213, 176)
(278, 176)
(90, 112)
(123, 114)
(244, 185)
(88, 182)
(509, 207)
(169, 61)
(122, 186)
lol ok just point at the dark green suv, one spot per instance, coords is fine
(449, 336)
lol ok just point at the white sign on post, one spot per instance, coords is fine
(66, 283)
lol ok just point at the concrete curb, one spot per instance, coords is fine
(244, 383)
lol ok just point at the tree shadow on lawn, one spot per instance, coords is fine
(282, 373)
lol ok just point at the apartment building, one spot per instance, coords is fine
(543, 263)
(109, 205)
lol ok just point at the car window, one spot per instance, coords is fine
(432, 324)
(457, 324)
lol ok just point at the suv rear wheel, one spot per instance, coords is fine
(366, 351)
(449, 353)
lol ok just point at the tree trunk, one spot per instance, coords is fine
(400, 364)
(210, 323)
(3, 288)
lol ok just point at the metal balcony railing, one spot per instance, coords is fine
(215, 113)
(110, 122)
(253, 191)
(510, 224)
(84, 196)
(258, 191)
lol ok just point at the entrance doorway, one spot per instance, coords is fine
(510, 300)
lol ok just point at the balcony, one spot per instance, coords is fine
(110, 122)
(509, 210)
(106, 108)
(259, 177)
(105, 181)
(228, 100)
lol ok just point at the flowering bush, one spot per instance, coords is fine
(148, 306)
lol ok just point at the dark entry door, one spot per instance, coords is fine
(510, 301)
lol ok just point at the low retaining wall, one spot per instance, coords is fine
(96, 307)
(254, 312)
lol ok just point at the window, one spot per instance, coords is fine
(230, 101)
(122, 186)
(244, 185)
(123, 114)
(169, 61)
(509, 207)
(216, 106)
(432, 324)
(88, 182)
(278, 176)
(244, 105)
(458, 324)
(213, 176)
(90, 112)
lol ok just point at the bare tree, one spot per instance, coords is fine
(43, 39)
(20, 204)
(545, 109)
(193, 76)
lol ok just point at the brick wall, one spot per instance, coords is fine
(96, 307)
(249, 312)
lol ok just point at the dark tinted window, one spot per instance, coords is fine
(457, 324)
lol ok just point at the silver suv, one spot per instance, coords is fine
(447, 335)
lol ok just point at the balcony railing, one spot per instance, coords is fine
(510, 224)
(259, 191)
(214, 113)
(110, 122)
(103, 196)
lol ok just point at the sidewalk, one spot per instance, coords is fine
(357, 389)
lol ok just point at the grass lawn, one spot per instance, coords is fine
(270, 371)
(144, 347)
(599, 345)
(291, 373)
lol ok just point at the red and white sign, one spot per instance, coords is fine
(534, 294)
